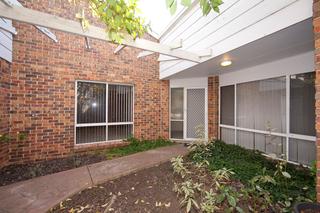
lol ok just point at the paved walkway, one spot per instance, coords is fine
(40, 194)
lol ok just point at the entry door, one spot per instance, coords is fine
(195, 112)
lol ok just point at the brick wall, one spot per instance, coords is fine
(43, 83)
(213, 107)
(316, 24)
(165, 87)
(5, 70)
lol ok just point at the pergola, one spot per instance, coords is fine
(12, 9)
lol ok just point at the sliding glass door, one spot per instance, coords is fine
(274, 116)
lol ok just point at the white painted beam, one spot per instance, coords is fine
(119, 48)
(12, 3)
(205, 53)
(144, 53)
(163, 58)
(176, 44)
(51, 21)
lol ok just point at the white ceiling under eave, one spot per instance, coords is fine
(294, 40)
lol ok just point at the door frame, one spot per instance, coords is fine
(185, 89)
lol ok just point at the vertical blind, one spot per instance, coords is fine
(99, 119)
(261, 109)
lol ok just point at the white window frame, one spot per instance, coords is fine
(105, 124)
(286, 135)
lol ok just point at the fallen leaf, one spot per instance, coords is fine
(142, 201)
(167, 205)
(119, 193)
(137, 201)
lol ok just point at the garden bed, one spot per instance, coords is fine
(213, 178)
(15, 173)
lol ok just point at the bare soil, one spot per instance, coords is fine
(15, 173)
(149, 190)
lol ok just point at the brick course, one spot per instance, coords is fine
(213, 107)
(5, 71)
(316, 25)
(43, 86)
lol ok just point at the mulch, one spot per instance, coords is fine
(14, 173)
(149, 190)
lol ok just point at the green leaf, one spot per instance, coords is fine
(189, 205)
(173, 7)
(169, 3)
(232, 201)
(186, 3)
(286, 174)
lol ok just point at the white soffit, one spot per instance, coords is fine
(234, 30)
(295, 40)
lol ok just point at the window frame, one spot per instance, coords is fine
(287, 135)
(106, 124)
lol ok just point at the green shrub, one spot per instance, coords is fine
(136, 145)
(247, 164)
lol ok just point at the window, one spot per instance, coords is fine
(104, 112)
(302, 104)
(227, 105)
(268, 120)
(177, 113)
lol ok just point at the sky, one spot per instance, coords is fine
(155, 12)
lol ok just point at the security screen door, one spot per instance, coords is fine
(195, 112)
(187, 112)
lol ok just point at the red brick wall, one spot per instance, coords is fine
(43, 81)
(5, 70)
(165, 87)
(213, 107)
(316, 25)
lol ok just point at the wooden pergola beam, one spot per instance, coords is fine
(119, 48)
(57, 23)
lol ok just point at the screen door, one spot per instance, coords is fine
(195, 111)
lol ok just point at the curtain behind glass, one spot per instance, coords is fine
(261, 105)
(177, 103)
(302, 104)
(91, 103)
(120, 104)
(227, 105)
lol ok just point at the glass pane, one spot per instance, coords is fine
(302, 151)
(91, 134)
(119, 132)
(265, 143)
(91, 102)
(177, 129)
(120, 105)
(177, 103)
(227, 105)
(302, 104)
(227, 135)
(262, 105)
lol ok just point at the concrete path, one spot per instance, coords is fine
(40, 194)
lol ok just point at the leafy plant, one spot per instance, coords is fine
(205, 5)
(121, 18)
(178, 166)
(187, 190)
(209, 203)
(230, 195)
(222, 175)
